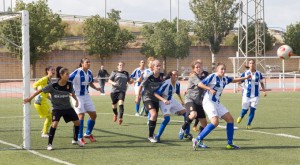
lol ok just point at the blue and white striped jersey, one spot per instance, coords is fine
(166, 89)
(216, 83)
(81, 81)
(146, 73)
(251, 86)
(136, 74)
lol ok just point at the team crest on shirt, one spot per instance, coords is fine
(191, 108)
(53, 117)
(149, 106)
(68, 87)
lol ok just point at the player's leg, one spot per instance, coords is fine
(114, 100)
(90, 109)
(251, 117)
(245, 106)
(121, 106)
(153, 118)
(229, 127)
(166, 111)
(191, 114)
(195, 125)
(137, 104)
(55, 119)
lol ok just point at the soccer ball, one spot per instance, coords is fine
(284, 52)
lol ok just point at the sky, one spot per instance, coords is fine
(278, 13)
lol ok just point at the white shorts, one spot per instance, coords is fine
(136, 89)
(85, 104)
(172, 108)
(247, 102)
(213, 109)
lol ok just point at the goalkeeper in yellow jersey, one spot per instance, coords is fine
(41, 103)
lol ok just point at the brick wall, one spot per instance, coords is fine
(11, 67)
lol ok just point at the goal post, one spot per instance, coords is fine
(26, 78)
(15, 82)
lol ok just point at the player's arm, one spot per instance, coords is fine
(263, 88)
(28, 99)
(161, 98)
(180, 98)
(201, 85)
(75, 98)
(240, 79)
(94, 87)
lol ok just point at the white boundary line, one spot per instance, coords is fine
(38, 154)
(224, 127)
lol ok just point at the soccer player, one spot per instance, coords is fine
(119, 80)
(150, 84)
(193, 100)
(82, 79)
(137, 76)
(41, 104)
(214, 85)
(251, 92)
(102, 73)
(167, 103)
(60, 93)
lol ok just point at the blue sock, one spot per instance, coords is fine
(90, 126)
(205, 131)
(137, 107)
(251, 115)
(243, 112)
(80, 133)
(230, 131)
(163, 126)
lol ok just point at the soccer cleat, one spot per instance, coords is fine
(49, 147)
(188, 136)
(77, 142)
(195, 143)
(120, 121)
(248, 127)
(91, 137)
(115, 118)
(152, 140)
(181, 134)
(137, 114)
(231, 146)
(202, 145)
(239, 119)
(157, 139)
(82, 141)
(45, 135)
(195, 129)
(74, 142)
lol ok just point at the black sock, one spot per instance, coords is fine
(75, 132)
(186, 123)
(115, 110)
(121, 108)
(51, 135)
(152, 125)
(201, 128)
(196, 122)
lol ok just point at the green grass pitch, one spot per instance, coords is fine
(274, 139)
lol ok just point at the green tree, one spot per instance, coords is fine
(45, 29)
(292, 37)
(213, 21)
(269, 39)
(104, 36)
(163, 40)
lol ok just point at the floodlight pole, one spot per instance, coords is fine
(177, 27)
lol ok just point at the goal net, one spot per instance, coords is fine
(15, 79)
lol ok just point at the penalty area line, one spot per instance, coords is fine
(37, 153)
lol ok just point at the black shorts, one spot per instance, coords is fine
(67, 114)
(115, 97)
(191, 106)
(151, 105)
